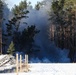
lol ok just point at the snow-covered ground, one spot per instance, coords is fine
(49, 69)
(38, 68)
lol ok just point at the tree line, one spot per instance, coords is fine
(63, 25)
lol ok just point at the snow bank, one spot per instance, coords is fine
(2, 56)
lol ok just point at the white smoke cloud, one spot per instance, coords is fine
(48, 51)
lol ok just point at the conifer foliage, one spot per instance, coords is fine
(11, 48)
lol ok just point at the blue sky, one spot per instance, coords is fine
(12, 2)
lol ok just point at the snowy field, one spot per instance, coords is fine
(49, 69)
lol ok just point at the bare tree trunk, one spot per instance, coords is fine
(1, 37)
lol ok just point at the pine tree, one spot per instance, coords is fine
(11, 48)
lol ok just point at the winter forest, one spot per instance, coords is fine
(46, 32)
